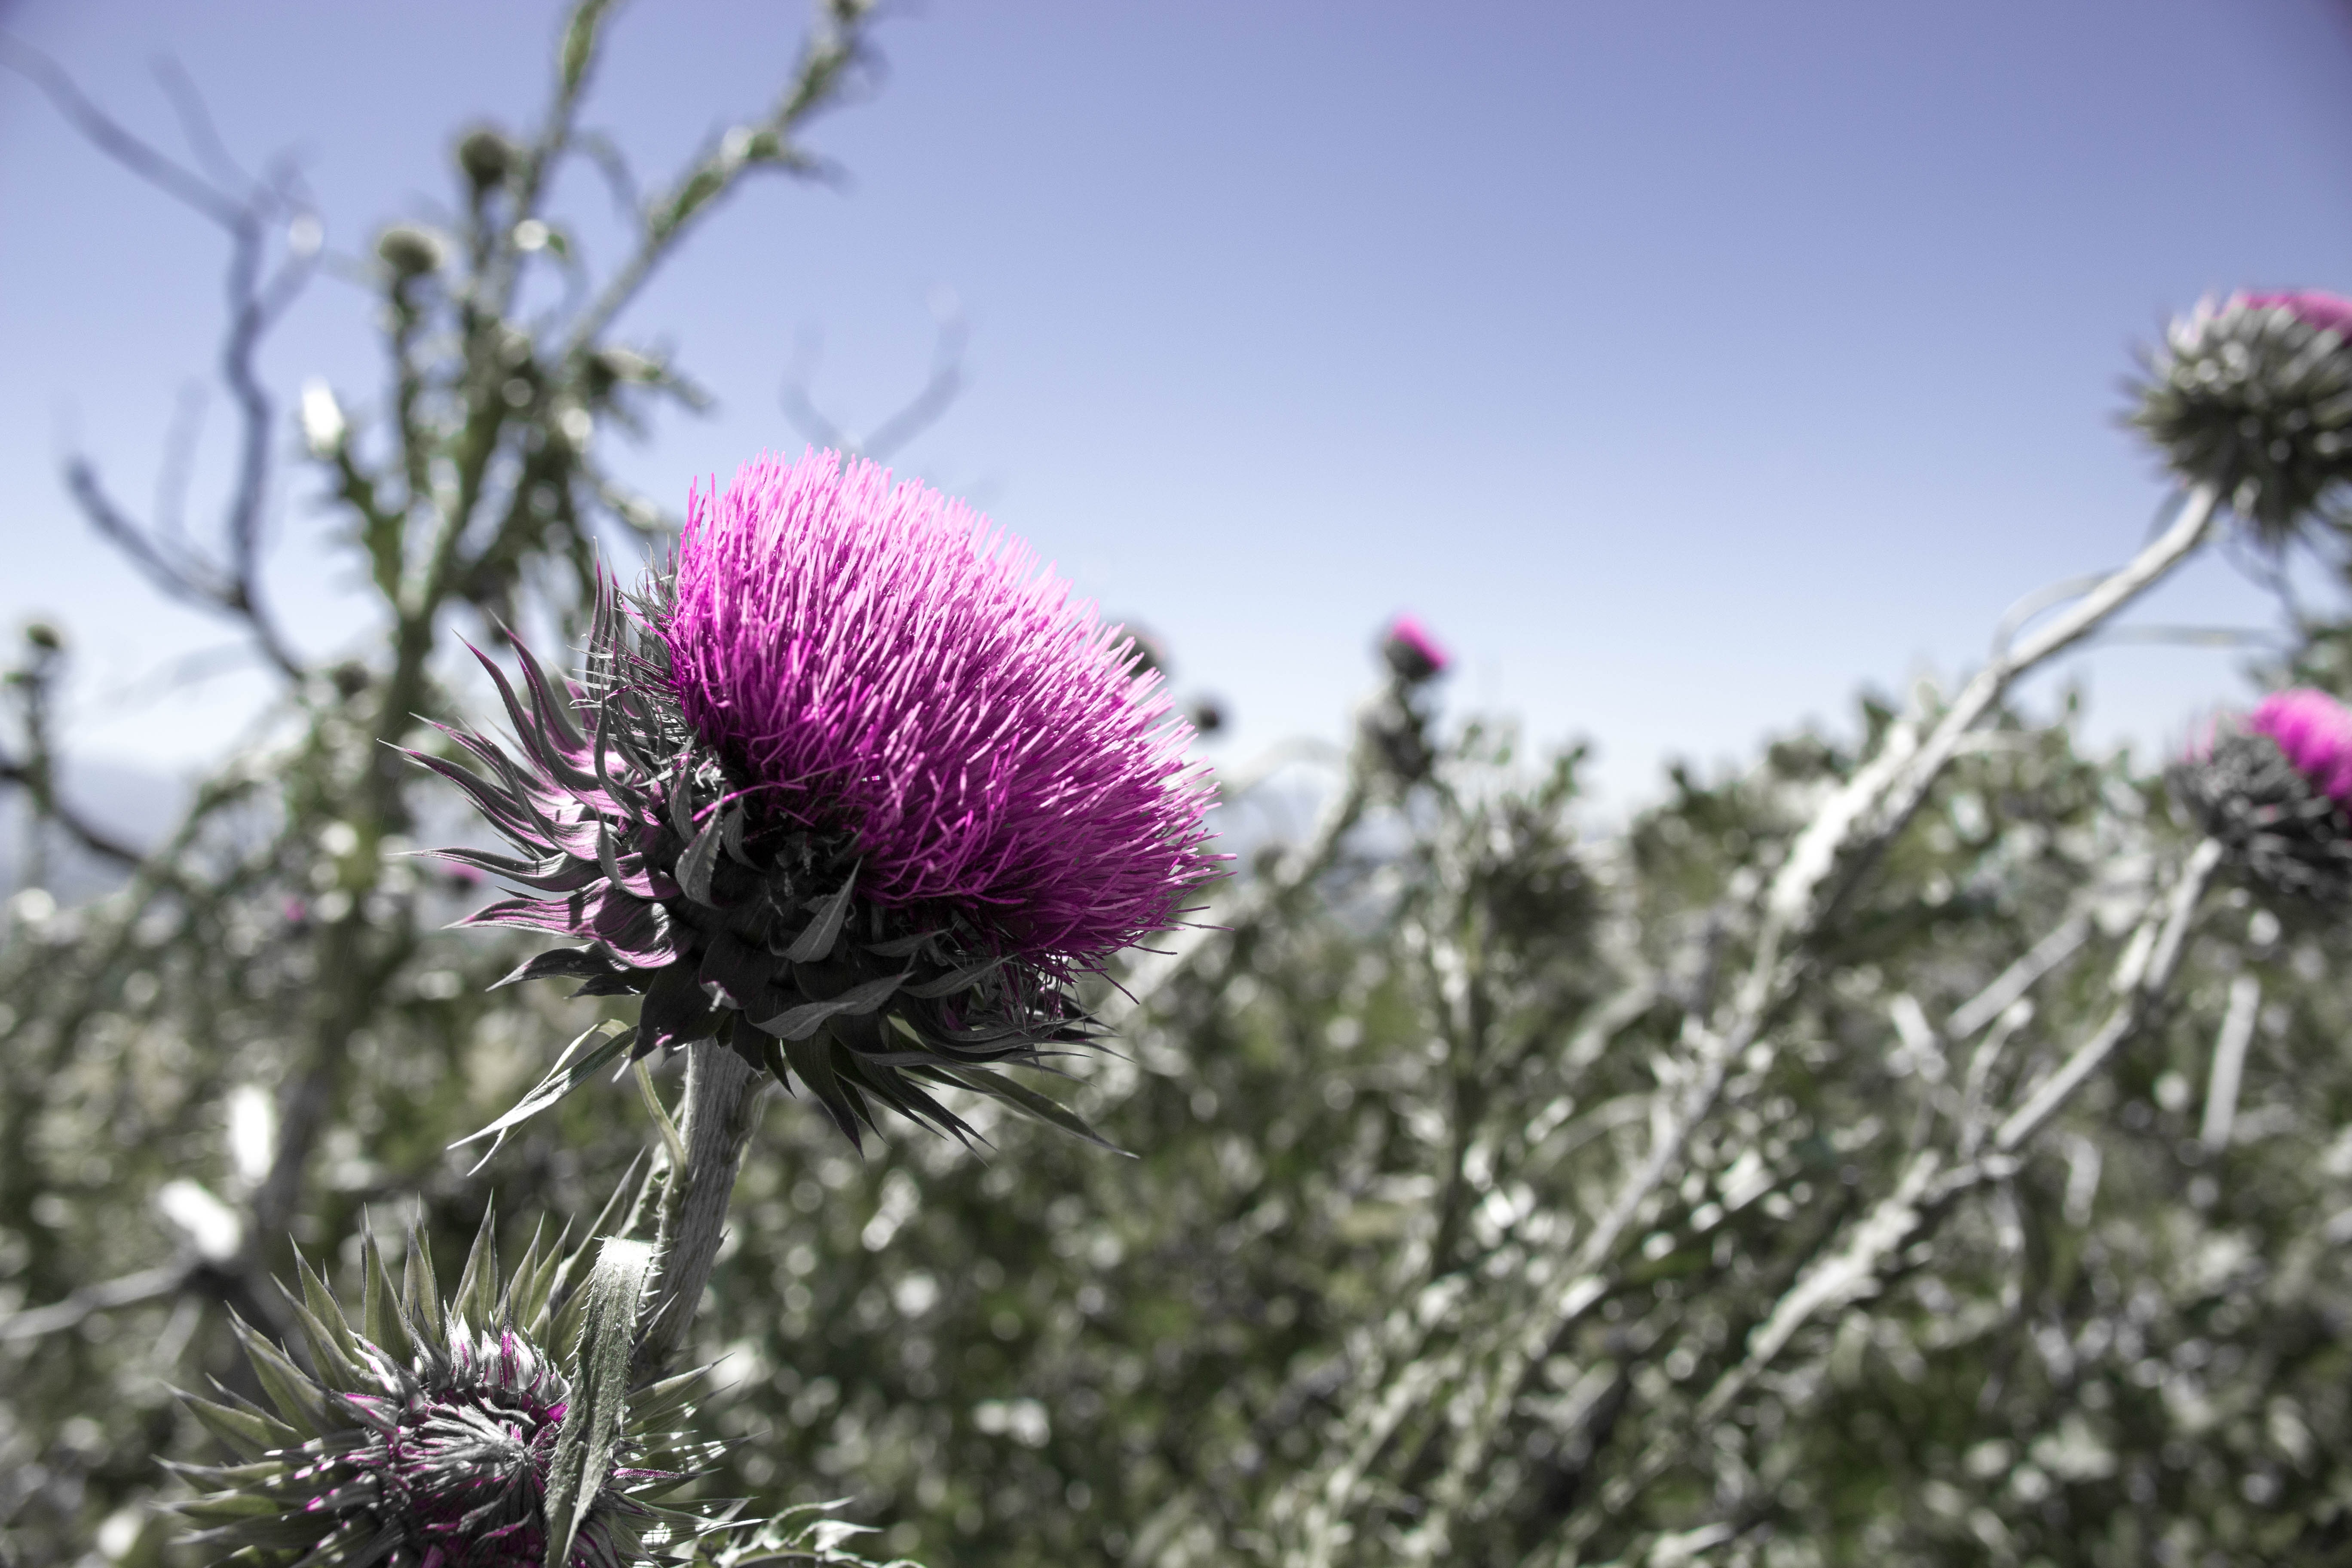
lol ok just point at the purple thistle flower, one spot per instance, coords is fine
(1411, 652)
(854, 789)
(426, 1437)
(2253, 396)
(2273, 789)
(2315, 731)
(876, 659)
(2314, 307)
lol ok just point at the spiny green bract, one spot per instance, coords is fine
(2253, 396)
(468, 1430)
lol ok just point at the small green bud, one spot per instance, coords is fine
(608, 368)
(410, 251)
(487, 155)
(45, 636)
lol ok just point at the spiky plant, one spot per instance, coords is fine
(2253, 396)
(492, 1429)
(850, 786)
(2273, 791)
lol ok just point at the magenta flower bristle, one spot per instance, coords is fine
(2312, 307)
(875, 657)
(2315, 731)
(1412, 652)
(2273, 788)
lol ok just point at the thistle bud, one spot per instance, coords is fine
(1411, 652)
(2273, 790)
(2316, 733)
(487, 155)
(410, 251)
(2254, 397)
(45, 636)
(442, 1431)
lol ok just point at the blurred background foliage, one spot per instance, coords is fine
(1453, 1230)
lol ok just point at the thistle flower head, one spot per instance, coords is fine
(475, 1432)
(875, 659)
(2273, 789)
(2315, 731)
(853, 787)
(1409, 650)
(2252, 394)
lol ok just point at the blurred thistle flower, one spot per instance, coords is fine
(2273, 790)
(1411, 652)
(2315, 731)
(487, 155)
(495, 1429)
(2254, 397)
(854, 787)
(409, 252)
(1396, 725)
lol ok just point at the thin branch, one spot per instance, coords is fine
(102, 132)
(629, 197)
(1993, 682)
(85, 832)
(131, 1290)
(835, 48)
(197, 126)
(257, 300)
(2144, 991)
(2230, 1062)
(2020, 977)
(916, 415)
(179, 463)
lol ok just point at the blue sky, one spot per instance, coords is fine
(1685, 366)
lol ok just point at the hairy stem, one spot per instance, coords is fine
(722, 1093)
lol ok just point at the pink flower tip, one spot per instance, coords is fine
(877, 658)
(2315, 731)
(1411, 652)
(2314, 307)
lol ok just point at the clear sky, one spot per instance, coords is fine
(1683, 365)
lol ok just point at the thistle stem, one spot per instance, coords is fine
(721, 1092)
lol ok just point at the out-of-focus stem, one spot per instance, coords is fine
(2148, 989)
(1827, 862)
(1926, 1193)
(721, 1092)
(1994, 681)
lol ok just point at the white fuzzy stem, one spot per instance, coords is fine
(721, 1092)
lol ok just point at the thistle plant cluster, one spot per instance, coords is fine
(1925, 1144)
